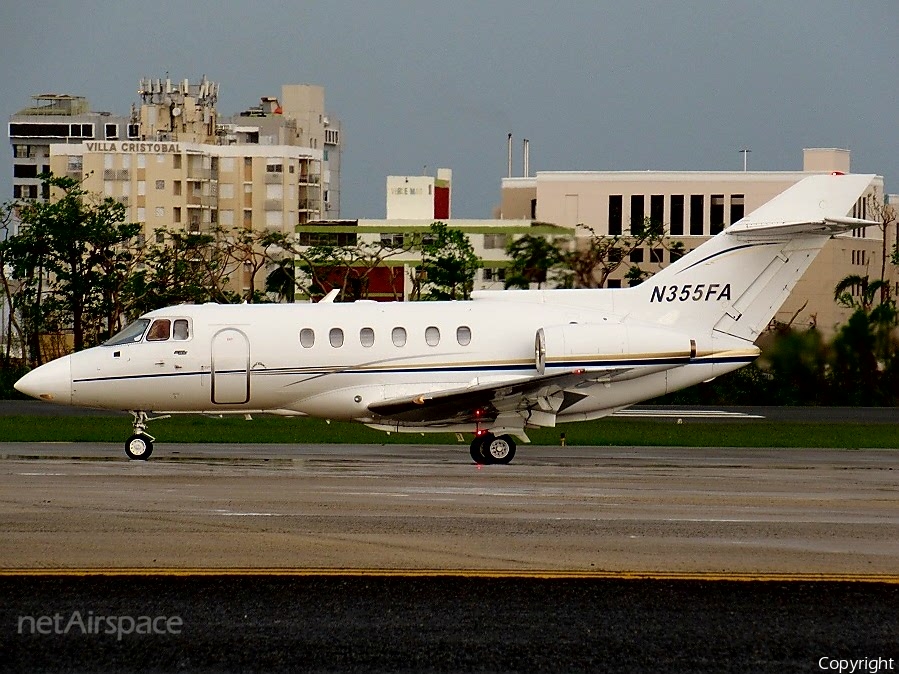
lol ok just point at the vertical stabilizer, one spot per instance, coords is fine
(735, 282)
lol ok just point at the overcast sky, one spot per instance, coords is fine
(594, 84)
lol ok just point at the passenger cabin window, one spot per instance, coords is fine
(399, 336)
(463, 335)
(367, 337)
(160, 331)
(336, 337)
(432, 336)
(307, 338)
(181, 330)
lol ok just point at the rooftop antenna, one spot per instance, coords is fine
(745, 152)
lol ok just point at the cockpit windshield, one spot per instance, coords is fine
(130, 333)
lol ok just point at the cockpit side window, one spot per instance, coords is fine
(130, 334)
(181, 330)
(160, 331)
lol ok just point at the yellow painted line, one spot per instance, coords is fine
(546, 574)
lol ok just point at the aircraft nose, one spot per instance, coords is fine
(51, 381)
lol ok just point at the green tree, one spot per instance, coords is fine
(594, 259)
(178, 268)
(797, 362)
(448, 264)
(347, 268)
(865, 351)
(533, 257)
(282, 280)
(71, 258)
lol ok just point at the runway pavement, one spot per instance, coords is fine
(666, 510)
(411, 558)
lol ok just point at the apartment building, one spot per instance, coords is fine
(175, 143)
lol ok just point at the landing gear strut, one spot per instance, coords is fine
(488, 448)
(140, 445)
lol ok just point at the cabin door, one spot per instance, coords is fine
(230, 367)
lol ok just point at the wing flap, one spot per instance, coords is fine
(487, 401)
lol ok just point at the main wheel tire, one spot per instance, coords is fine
(477, 450)
(139, 447)
(499, 449)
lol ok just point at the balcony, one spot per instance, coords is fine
(274, 178)
(194, 173)
(309, 179)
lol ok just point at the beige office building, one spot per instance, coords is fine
(694, 206)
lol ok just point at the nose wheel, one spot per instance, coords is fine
(139, 446)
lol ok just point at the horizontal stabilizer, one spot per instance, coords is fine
(812, 200)
(824, 227)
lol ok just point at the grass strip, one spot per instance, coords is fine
(609, 432)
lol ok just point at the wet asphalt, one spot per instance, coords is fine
(352, 623)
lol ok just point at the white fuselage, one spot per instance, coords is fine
(333, 360)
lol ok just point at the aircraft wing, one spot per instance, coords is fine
(486, 401)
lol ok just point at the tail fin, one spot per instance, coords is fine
(736, 282)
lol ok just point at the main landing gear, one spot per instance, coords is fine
(140, 445)
(488, 448)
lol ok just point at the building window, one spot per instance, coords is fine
(176, 214)
(637, 214)
(676, 215)
(160, 211)
(366, 337)
(20, 151)
(657, 255)
(716, 214)
(615, 214)
(657, 210)
(494, 273)
(432, 336)
(274, 168)
(24, 191)
(637, 255)
(141, 188)
(697, 206)
(613, 283)
(307, 338)
(675, 255)
(736, 208)
(141, 161)
(398, 335)
(133, 130)
(160, 237)
(24, 171)
(463, 335)
(392, 240)
(160, 184)
(335, 337)
(493, 241)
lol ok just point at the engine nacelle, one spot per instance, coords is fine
(584, 344)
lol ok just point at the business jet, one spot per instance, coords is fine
(495, 366)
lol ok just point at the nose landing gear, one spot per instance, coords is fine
(139, 446)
